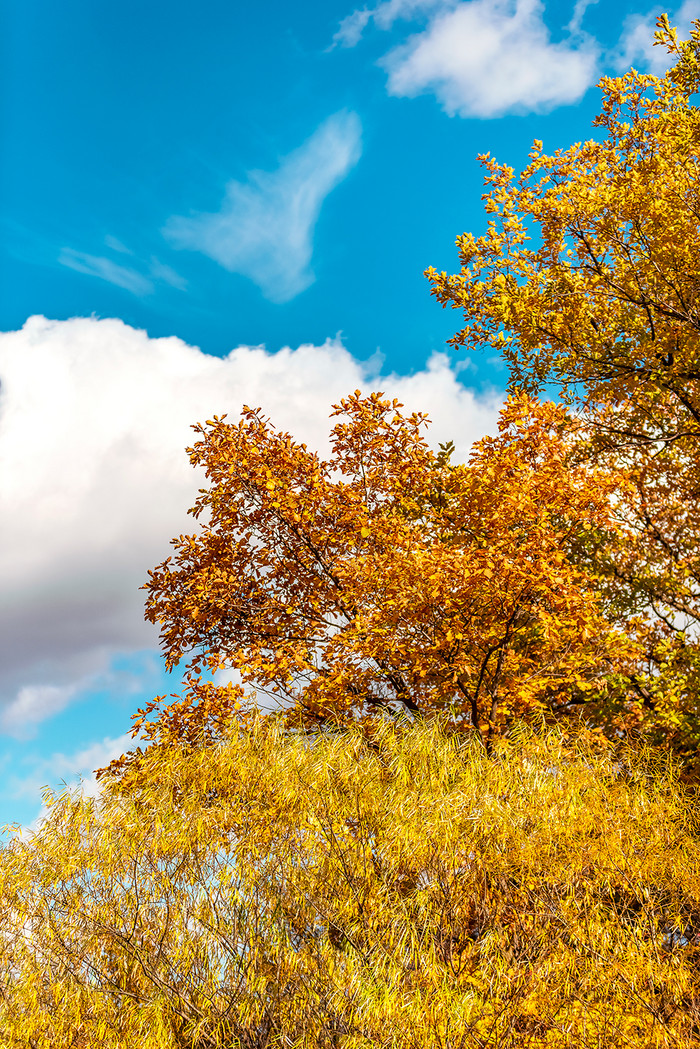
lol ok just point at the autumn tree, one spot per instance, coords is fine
(388, 578)
(407, 892)
(588, 281)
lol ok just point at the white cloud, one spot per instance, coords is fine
(384, 15)
(94, 420)
(265, 227)
(482, 58)
(61, 768)
(485, 58)
(114, 244)
(123, 276)
(636, 46)
(106, 269)
(580, 8)
(32, 705)
(352, 27)
(159, 271)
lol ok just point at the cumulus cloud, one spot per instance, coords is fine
(483, 58)
(265, 227)
(95, 417)
(636, 45)
(100, 266)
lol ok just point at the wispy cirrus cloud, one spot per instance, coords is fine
(128, 277)
(114, 244)
(106, 269)
(74, 770)
(265, 227)
(483, 58)
(384, 15)
(351, 28)
(162, 272)
(577, 15)
(60, 767)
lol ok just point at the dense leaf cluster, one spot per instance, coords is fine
(388, 578)
(395, 888)
(588, 282)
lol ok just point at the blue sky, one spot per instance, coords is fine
(205, 205)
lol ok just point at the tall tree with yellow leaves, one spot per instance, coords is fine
(588, 281)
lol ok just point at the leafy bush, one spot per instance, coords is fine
(390, 885)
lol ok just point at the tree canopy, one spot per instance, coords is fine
(389, 578)
(588, 282)
(604, 305)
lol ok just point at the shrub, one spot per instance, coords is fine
(385, 886)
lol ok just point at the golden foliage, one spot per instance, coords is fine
(607, 301)
(387, 577)
(588, 278)
(405, 891)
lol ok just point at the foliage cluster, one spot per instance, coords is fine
(399, 888)
(588, 282)
(389, 578)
